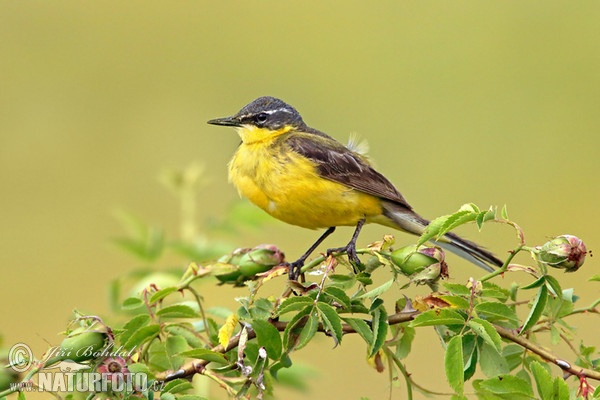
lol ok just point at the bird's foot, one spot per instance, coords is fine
(350, 250)
(295, 269)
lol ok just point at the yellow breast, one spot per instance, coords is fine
(289, 187)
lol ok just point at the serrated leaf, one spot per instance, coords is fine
(484, 216)
(494, 311)
(508, 385)
(301, 329)
(535, 284)
(338, 295)
(177, 311)
(176, 386)
(456, 301)
(161, 294)
(294, 304)
(432, 230)
(487, 332)
(470, 355)
(543, 380)
(133, 325)
(331, 320)
(440, 316)
(174, 345)
(378, 291)
(205, 354)
(492, 363)
(379, 325)
(226, 331)
(405, 343)
(131, 303)
(268, 337)
(457, 289)
(361, 327)
(553, 285)
(142, 335)
(536, 310)
(140, 368)
(453, 364)
(504, 212)
(561, 390)
(513, 354)
(455, 220)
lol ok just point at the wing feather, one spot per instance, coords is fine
(337, 163)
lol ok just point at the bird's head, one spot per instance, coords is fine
(262, 118)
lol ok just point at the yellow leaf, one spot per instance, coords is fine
(226, 331)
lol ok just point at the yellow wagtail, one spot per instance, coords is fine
(305, 177)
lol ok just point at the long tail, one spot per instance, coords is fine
(407, 220)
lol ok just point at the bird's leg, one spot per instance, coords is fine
(350, 248)
(297, 265)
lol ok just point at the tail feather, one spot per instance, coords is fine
(407, 220)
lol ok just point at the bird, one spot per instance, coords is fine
(306, 178)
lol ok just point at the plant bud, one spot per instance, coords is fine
(564, 252)
(81, 345)
(411, 259)
(260, 259)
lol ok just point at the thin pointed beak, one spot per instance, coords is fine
(226, 121)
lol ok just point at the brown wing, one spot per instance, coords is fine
(339, 164)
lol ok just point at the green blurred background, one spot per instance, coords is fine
(485, 102)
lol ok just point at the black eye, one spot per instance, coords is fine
(261, 118)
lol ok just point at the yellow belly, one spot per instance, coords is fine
(288, 187)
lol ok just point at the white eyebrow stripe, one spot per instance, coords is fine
(287, 110)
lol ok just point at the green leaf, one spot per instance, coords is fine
(131, 303)
(491, 290)
(338, 295)
(140, 368)
(457, 289)
(536, 310)
(513, 354)
(379, 325)
(133, 325)
(177, 386)
(494, 311)
(177, 311)
(456, 302)
(535, 284)
(142, 335)
(361, 327)
(561, 390)
(453, 363)
(301, 329)
(553, 285)
(342, 281)
(161, 294)
(439, 316)
(331, 320)
(504, 212)
(378, 291)
(432, 230)
(487, 332)
(205, 354)
(492, 363)
(484, 216)
(175, 345)
(543, 380)
(268, 337)
(294, 304)
(404, 345)
(470, 355)
(508, 387)
(595, 278)
(187, 331)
